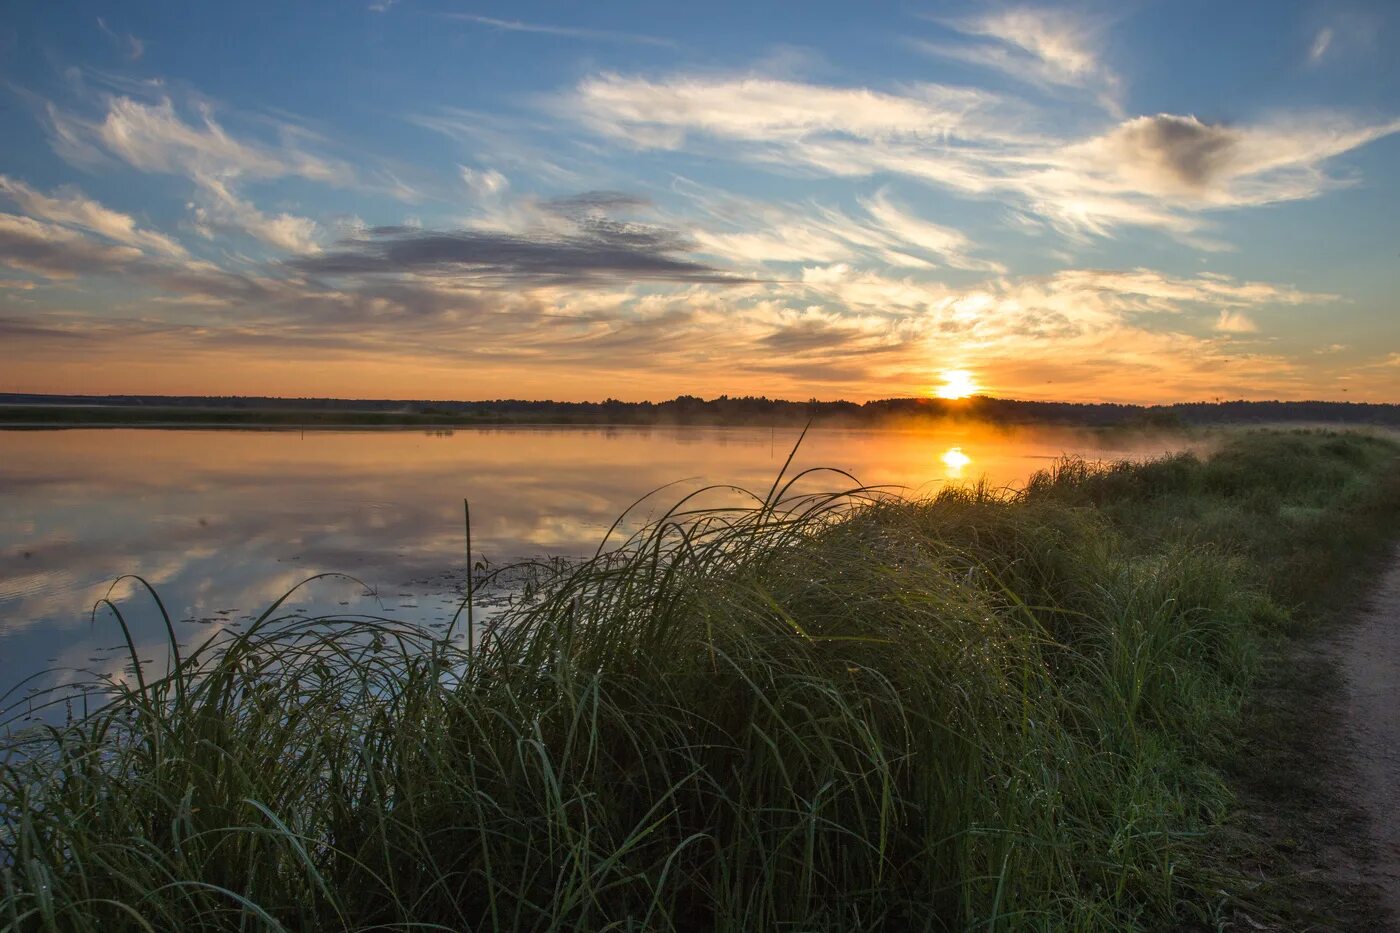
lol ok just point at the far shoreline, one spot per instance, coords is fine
(36, 412)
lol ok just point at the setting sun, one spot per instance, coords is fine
(957, 383)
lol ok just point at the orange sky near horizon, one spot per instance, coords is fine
(217, 374)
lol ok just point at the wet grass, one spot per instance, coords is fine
(986, 710)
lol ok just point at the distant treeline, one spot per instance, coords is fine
(19, 408)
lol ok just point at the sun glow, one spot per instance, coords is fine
(957, 383)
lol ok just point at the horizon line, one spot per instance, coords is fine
(685, 396)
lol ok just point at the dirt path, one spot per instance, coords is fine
(1369, 659)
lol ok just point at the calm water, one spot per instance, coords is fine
(225, 521)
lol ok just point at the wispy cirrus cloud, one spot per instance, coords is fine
(72, 209)
(484, 183)
(1070, 301)
(1160, 171)
(153, 136)
(503, 141)
(747, 231)
(1038, 45)
(661, 114)
(132, 47)
(1350, 33)
(57, 252)
(1321, 43)
(1157, 291)
(909, 232)
(222, 210)
(1235, 322)
(567, 32)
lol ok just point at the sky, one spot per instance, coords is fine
(1132, 201)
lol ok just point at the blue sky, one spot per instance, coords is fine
(1133, 201)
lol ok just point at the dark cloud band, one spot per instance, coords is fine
(599, 251)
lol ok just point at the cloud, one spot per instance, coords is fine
(72, 209)
(748, 231)
(796, 242)
(596, 251)
(1169, 153)
(502, 140)
(660, 114)
(223, 210)
(1036, 45)
(1351, 34)
(595, 202)
(1150, 171)
(1216, 165)
(131, 46)
(153, 137)
(1164, 291)
(57, 252)
(484, 183)
(1066, 304)
(512, 306)
(567, 32)
(1321, 43)
(952, 246)
(611, 288)
(1235, 322)
(1092, 333)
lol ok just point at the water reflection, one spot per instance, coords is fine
(955, 461)
(224, 522)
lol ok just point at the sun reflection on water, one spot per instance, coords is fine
(955, 460)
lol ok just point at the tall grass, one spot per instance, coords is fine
(985, 710)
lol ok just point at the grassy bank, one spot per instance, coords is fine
(843, 712)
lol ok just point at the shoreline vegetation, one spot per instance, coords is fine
(26, 410)
(986, 710)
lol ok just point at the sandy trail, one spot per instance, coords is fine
(1369, 657)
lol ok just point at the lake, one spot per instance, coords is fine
(223, 522)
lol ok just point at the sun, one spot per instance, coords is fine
(957, 383)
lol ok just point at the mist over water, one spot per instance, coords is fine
(223, 522)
